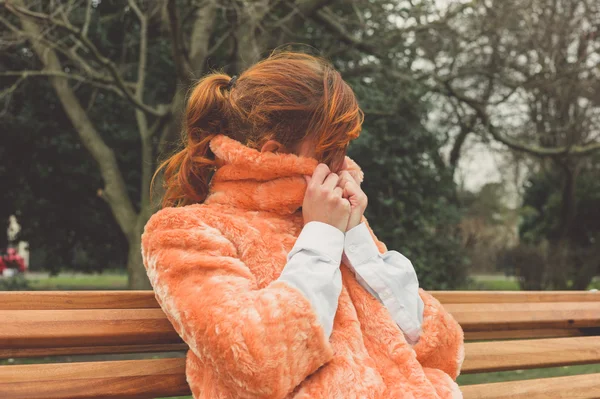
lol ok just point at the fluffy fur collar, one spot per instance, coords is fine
(249, 179)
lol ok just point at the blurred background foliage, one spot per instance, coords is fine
(92, 93)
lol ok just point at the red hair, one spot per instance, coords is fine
(288, 97)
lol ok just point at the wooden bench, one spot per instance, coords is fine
(514, 330)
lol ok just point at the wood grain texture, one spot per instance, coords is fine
(67, 328)
(48, 300)
(69, 323)
(106, 349)
(572, 387)
(515, 296)
(56, 300)
(25, 329)
(90, 350)
(115, 379)
(532, 334)
(528, 354)
(525, 316)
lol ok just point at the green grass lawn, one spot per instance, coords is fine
(479, 284)
(501, 283)
(67, 282)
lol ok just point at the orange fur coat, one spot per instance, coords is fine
(214, 269)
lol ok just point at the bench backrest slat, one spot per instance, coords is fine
(523, 316)
(112, 379)
(65, 328)
(573, 387)
(90, 350)
(531, 334)
(515, 296)
(24, 329)
(48, 300)
(527, 354)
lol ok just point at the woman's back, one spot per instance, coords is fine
(245, 280)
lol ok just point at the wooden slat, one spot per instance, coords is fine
(515, 296)
(67, 328)
(525, 316)
(573, 387)
(90, 350)
(49, 300)
(165, 377)
(523, 334)
(527, 354)
(116, 379)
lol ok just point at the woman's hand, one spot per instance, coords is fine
(356, 196)
(324, 201)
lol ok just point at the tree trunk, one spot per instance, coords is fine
(558, 265)
(561, 267)
(115, 190)
(138, 279)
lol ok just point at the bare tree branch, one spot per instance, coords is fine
(332, 24)
(220, 41)
(515, 144)
(115, 191)
(105, 62)
(200, 36)
(205, 16)
(67, 75)
(249, 45)
(329, 21)
(301, 10)
(88, 15)
(147, 161)
(182, 66)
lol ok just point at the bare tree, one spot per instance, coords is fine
(377, 37)
(526, 74)
(69, 57)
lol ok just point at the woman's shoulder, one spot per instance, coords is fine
(180, 217)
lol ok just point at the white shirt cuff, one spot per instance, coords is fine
(321, 239)
(359, 246)
(390, 277)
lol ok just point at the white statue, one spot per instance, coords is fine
(13, 228)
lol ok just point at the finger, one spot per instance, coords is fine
(346, 204)
(345, 177)
(338, 191)
(331, 181)
(307, 179)
(320, 174)
(352, 189)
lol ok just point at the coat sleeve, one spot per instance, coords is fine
(441, 343)
(258, 342)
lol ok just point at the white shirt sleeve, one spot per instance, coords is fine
(389, 277)
(313, 267)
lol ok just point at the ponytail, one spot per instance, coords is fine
(187, 173)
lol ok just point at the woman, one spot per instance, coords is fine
(262, 259)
